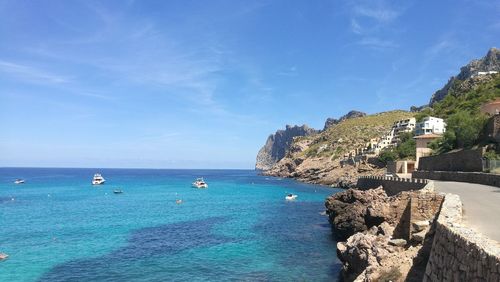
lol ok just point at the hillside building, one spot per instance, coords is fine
(481, 73)
(430, 125)
(405, 125)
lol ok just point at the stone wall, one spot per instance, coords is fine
(491, 131)
(459, 253)
(465, 160)
(391, 185)
(471, 177)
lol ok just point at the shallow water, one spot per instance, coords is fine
(58, 227)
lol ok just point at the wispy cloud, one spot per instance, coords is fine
(380, 12)
(31, 74)
(377, 43)
(355, 27)
(291, 71)
(371, 20)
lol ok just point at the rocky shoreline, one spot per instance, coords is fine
(382, 238)
(324, 175)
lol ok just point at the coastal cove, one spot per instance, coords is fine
(58, 227)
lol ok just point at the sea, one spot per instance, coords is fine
(59, 227)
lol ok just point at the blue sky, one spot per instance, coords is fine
(201, 84)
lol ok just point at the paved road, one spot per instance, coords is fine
(481, 205)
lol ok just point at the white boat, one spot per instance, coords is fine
(200, 183)
(19, 181)
(291, 197)
(3, 256)
(118, 191)
(98, 179)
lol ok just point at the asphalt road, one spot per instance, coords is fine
(481, 205)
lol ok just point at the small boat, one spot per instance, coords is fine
(98, 179)
(178, 201)
(19, 181)
(3, 256)
(118, 191)
(291, 197)
(200, 183)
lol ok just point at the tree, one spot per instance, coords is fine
(462, 131)
(387, 155)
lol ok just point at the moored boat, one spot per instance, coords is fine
(19, 181)
(98, 179)
(3, 256)
(118, 191)
(200, 183)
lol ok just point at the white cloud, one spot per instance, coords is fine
(377, 43)
(373, 22)
(380, 13)
(31, 74)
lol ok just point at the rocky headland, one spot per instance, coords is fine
(318, 158)
(277, 145)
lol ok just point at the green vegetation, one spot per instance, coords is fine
(406, 149)
(464, 96)
(461, 111)
(462, 131)
(491, 155)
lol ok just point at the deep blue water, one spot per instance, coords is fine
(58, 227)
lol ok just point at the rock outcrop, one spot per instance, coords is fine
(277, 145)
(333, 121)
(382, 238)
(491, 62)
(326, 158)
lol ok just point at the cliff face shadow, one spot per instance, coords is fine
(417, 271)
(402, 229)
(142, 244)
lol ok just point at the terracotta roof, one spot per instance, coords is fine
(428, 136)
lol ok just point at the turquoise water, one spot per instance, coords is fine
(58, 227)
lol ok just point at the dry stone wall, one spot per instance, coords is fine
(458, 252)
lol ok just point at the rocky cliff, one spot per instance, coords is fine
(490, 62)
(333, 121)
(278, 143)
(317, 158)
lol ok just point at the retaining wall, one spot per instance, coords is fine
(458, 253)
(465, 160)
(391, 185)
(471, 177)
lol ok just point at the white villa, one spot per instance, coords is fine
(430, 125)
(480, 73)
(392, 137)
(405, 125)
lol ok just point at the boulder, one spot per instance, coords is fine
(348, 211)
(420, 225)
(397, 242)
(419, 236)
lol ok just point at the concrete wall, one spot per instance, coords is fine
(465, 160)
(391, 185)
(471, 177)
(459, 253)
